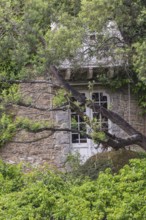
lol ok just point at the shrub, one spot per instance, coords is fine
(52, 195)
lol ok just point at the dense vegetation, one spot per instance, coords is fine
(27, 48)
(28, 45)
(44, 194)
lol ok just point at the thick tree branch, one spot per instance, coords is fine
(136, 136)
(62, 83)
(114, 117)
(117, 143)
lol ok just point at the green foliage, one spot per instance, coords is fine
(11, 94)
(59, 99)
(27, 43)
(21, 32)
(28, 46)
(43, 194)
(114, 160)
(29, 125)
(130, 18)
(7, 128)
(140, 90)
(72, 7)
(11, 178)
(116, 82)
(98, 136)
(73, 162)
(9, 124)
(139, 60)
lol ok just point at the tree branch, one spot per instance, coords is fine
(136, 136)
(25, 81)
(60, 108)
(32, 141)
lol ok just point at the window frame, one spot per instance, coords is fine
(89, 144)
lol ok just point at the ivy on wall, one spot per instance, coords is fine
(137, 87)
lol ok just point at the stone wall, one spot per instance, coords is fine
(125, 104)
(54, 148)
(40, 147)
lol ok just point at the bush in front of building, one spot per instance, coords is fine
(44, 194)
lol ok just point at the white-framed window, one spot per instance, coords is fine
(101, 99)
(77, 123)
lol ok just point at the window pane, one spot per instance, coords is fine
(104, 104)
(96, 115)
(83, 139)
(81, 120)
(104, 98)
(100, 99)
(78, 123)
(74, 118)
(95, 97)
(82, 127)
(75, 138)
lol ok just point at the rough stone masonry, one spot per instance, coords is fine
(43, 147)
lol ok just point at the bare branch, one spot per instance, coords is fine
(32, 141)
(59, 108)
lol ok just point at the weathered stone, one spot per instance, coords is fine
(54, 149)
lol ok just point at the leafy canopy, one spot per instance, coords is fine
(28, 46)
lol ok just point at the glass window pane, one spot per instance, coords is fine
(78, 123)
(100, 99)
(83, 139)
(96, 115)
(95, 97)
(74, 117)
(104, 104)
(74, 126)
(75, 138)
(104, 98)
(81, 120)
(82, 127)
(101, 96)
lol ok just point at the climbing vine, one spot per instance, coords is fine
(138, 87)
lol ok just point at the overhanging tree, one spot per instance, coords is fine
(29, 47)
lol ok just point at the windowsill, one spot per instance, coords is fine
(83, 145)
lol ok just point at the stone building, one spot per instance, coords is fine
(53, 147)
